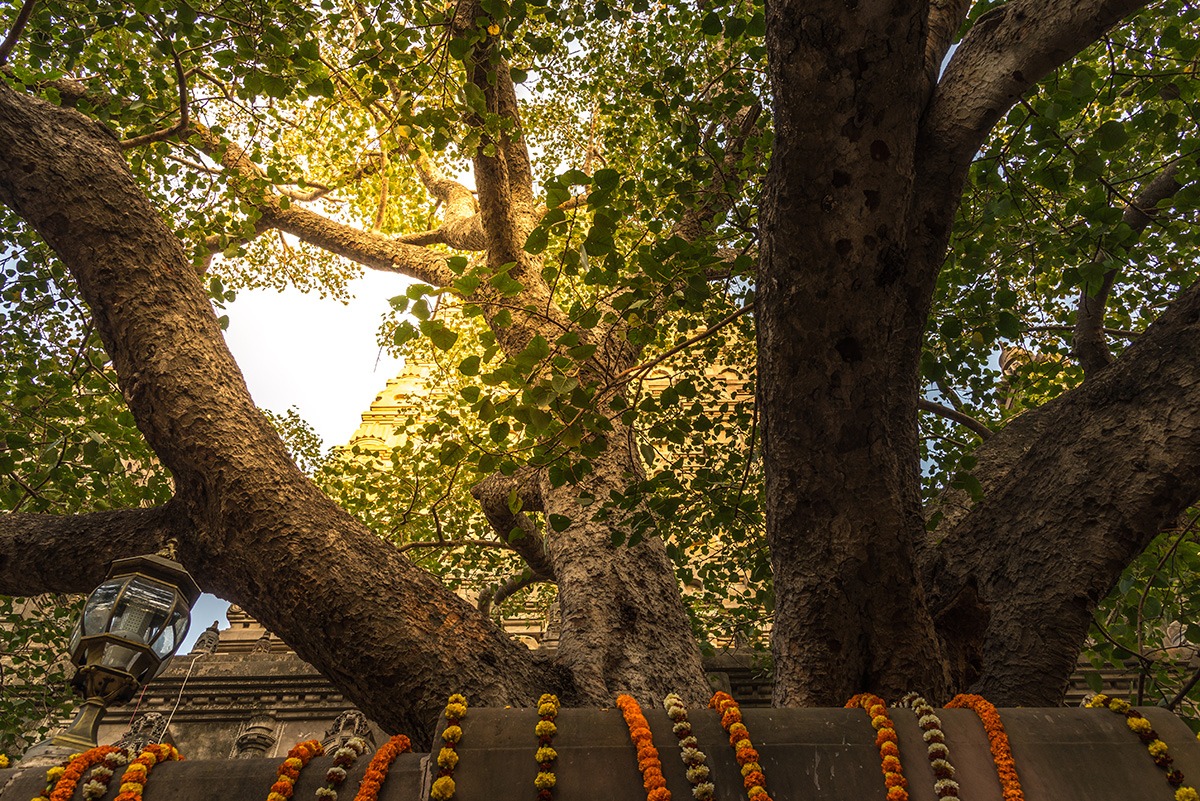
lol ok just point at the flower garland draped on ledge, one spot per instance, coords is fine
(647, 755)
(944, 784)
(1002, 756)
(739, 737)
(887, 743)
(1139, 725)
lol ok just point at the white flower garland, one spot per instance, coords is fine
(343, 758)
(689, 749)
(96, 786)
(939, 753)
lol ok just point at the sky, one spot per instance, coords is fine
(319, 355)
(314, 353)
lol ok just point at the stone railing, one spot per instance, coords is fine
(806, 755)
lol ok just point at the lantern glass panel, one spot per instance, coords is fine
(143, 610)
(169, 640)
(120, 657)
(100, 605)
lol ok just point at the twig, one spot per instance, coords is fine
(14, 34)
(624, 376)
(964, 420)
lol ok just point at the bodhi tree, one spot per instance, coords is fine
(664, 359)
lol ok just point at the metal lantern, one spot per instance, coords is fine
(131, 624)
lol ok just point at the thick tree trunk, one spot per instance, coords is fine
(625, 628)
(837, 369)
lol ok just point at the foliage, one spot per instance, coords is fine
(335, 103)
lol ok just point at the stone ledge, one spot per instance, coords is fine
(807, 755)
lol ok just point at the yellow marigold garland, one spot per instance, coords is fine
(96, 787)
(343, 758)
(739, 737)
(3, 762)
(381, 763)
(133, 780)
(944, 784)
(443, 785)
(647, 755)
(289, 770)
(887, 743)
(52, 776)
(1002, 756)
(64, 788)
(689, 749)
(545, 756)
(1140, 725)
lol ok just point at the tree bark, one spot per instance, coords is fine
(838, 376)
(1072, 491)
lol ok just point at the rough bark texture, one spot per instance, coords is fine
(1110, 465)
(870, 157)
(838, 387)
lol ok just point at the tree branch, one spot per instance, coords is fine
(954, 414)
(51, 553)
(499, 593)
(368, 248)
(516, 529)
(14, 33)
(1004, 55)
(1091, 346)
(945, 18)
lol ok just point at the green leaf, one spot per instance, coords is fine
(559, 522)
(1112, 135)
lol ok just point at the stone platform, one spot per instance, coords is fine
(806, 754)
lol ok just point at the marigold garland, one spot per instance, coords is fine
(53, 774)
(381, 763)
(96, 787)
(1002, 756)
(647, 755)
(289, 770)
(3, 762)
(133, 780)
(443, 785)
(1139, 724)
(689, 749)
(343, 758)
(64, 788)
(887, 743)
(739, 737)
(944, 784)
(545, 755)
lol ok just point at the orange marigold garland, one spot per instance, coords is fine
(944, 784)
(381, 763)
(739, 737)
(133, 780)
(289, 770)
(886, 742)
(647, 755)
(1002, 756)
(545, 756)
(1140, 725)
(343, 758)
(443, 786)
(64, 788)
(689, 749)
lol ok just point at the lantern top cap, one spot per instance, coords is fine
(161, 568)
